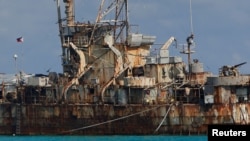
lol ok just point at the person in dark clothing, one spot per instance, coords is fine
(190, 40)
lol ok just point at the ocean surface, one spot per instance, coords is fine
(104, 138)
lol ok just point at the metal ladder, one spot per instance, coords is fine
(18, 119)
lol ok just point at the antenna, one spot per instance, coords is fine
(191, 16)
(190, 39)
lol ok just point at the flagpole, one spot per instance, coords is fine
(15, 58)
(20, 40)
(21, 59)
(16, 70)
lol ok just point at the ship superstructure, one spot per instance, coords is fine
(112, 85)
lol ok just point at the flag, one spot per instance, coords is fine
(20, 39)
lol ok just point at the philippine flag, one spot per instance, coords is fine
(20, 39)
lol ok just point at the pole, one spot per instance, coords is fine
(15, 58)
(191, 16)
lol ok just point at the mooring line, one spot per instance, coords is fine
(109, 121)
(156, 130)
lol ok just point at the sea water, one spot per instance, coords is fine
(104, 138)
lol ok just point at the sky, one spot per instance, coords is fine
(220, 27)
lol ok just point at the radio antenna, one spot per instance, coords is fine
(191, 17)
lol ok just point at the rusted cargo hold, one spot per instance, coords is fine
(112, 85)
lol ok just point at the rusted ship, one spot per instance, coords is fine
(111, 85)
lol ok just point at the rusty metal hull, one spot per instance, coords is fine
(120, 120)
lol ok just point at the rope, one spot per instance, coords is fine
(109, 121)
(156, 130)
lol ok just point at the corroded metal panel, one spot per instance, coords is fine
(174, 116)
(222, 95)
(151, 71)
(199, 78)
(228, 80)
(87, 119)
(164, 96)
(137, 56)
(139, 82)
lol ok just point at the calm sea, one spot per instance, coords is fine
(103, 138)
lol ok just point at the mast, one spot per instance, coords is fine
(127, 20)
(191, 17)
(190, 41)
(118, 7)
(69, 11)
(60, 26)
(59, 20)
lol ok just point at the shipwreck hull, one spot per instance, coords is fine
(112, 83)
(117, 120)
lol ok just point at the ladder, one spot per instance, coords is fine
(18, 119)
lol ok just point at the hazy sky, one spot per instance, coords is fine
(221, 29)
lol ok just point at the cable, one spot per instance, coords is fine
(109, 121)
